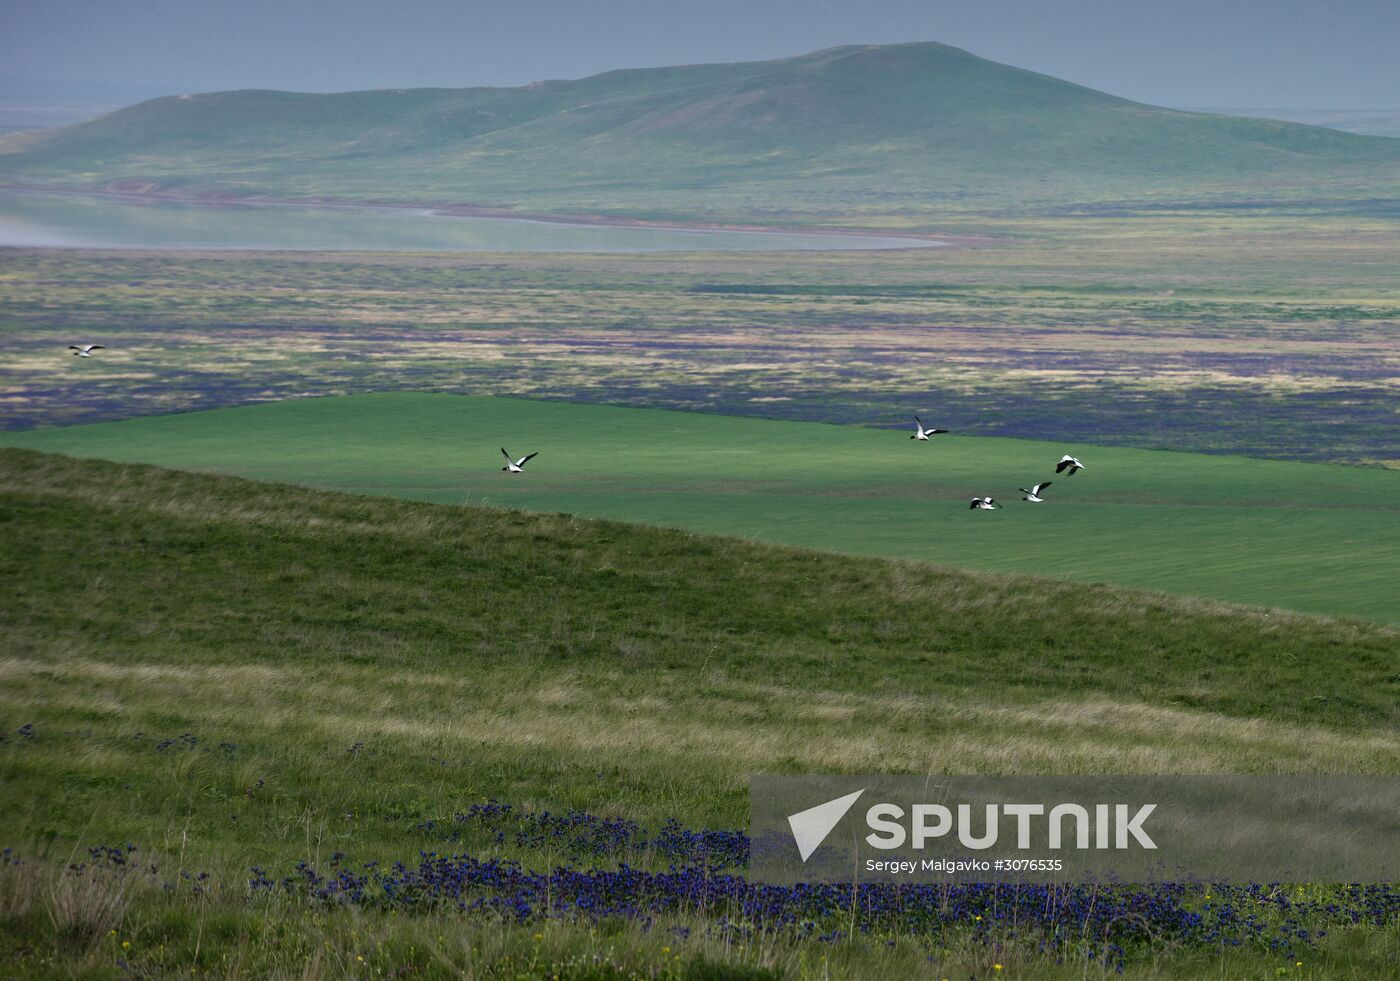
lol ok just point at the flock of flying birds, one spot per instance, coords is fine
(1067, 463)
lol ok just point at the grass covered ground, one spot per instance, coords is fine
(1321, 539)
(226, 674)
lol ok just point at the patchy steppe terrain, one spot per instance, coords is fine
(1276, 337)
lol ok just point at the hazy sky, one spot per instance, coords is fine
(1308, 54)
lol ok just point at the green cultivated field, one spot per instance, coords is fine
(1321, 539)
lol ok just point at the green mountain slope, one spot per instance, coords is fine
(856, 127)
(1323, 539)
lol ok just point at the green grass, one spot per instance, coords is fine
(1313, 538)
(557, 662)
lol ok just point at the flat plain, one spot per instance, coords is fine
(1263, 332)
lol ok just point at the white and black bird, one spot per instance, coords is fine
(983, 504)
(921, 433)
(1033, 493)
(85, 351)
(516, 466)
(1070, 463)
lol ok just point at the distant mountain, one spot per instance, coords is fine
(866, 128)
(1369, 122)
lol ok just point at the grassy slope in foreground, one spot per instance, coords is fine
(1307, 537)
(513, 630)
(556, 662)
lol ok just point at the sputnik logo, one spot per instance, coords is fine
(810, 827)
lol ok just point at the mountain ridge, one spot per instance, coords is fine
(853, 127)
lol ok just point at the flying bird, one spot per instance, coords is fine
(86, 350)
(1033, 493)
(921, 433)
(1070, 463)
(983, 504)
(516, 466)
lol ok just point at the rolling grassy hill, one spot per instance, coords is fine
(861, 127)
(225, 673)
(1322, 539)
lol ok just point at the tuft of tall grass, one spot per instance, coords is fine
(79, 906)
